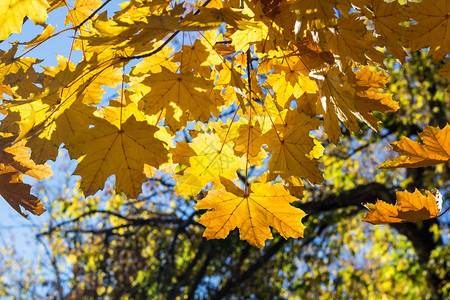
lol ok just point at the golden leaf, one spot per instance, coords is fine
(432, 28)
(22, 162)
(291, 145)
(214, 157)
(434, 150)
(154, 63)
(368, 98)
(82, 9)
(351, 40)
(12, 13)
(183, 91)
(410, 207)
(45, 144)
(351, 98)
(196, 57)
(386, 18)
(19, 73)
(181, 153)
(123, 151)
(211, 18)
(290, 84)
(265, 205)
(314, 14)
(337, 103)
(48, 31)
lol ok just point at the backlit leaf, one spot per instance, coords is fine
(434, 150)
(107, 149)
(410, 207)
(13, 12)
(265, 205)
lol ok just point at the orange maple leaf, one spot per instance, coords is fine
(434, 150)
(410, 207)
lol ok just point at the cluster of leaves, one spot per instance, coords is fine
(112, 247)
(289, 67)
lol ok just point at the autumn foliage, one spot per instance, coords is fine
(291, 74)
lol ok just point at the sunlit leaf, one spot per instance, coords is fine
(434, 150)
(265, 205)
(410, 207)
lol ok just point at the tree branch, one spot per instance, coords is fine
(91, 15)
(368, 193)
(171, 37)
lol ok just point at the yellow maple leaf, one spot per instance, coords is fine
(64, 84)
(18, 73)
(307, 104)
(288, 85)
(410, 207)
(181, 153)
(110, 77)
(243, 39)
(351, 40)
(351, 98)
(20, 159)
(54, 114)
(214, 157)
(46, 34)
(368, 96)
(194, 58)
(200, 55)
(249, 139)
(82, 9)
(13, 12)
(45, 144)
(434, 150)
(386, 18)
(54, 4)
(291, 145)
(154, 63)
(265, 205)
(24, 117)
(337, 103)
(211, 18)
(280, 18)
(432, 28)
(107, 149)
(295, 186)
(314, 14)
(178, 91)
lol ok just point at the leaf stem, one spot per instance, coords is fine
(249, 80)
(122, 95)
(443, 213)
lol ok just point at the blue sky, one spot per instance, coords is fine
(14, 229)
